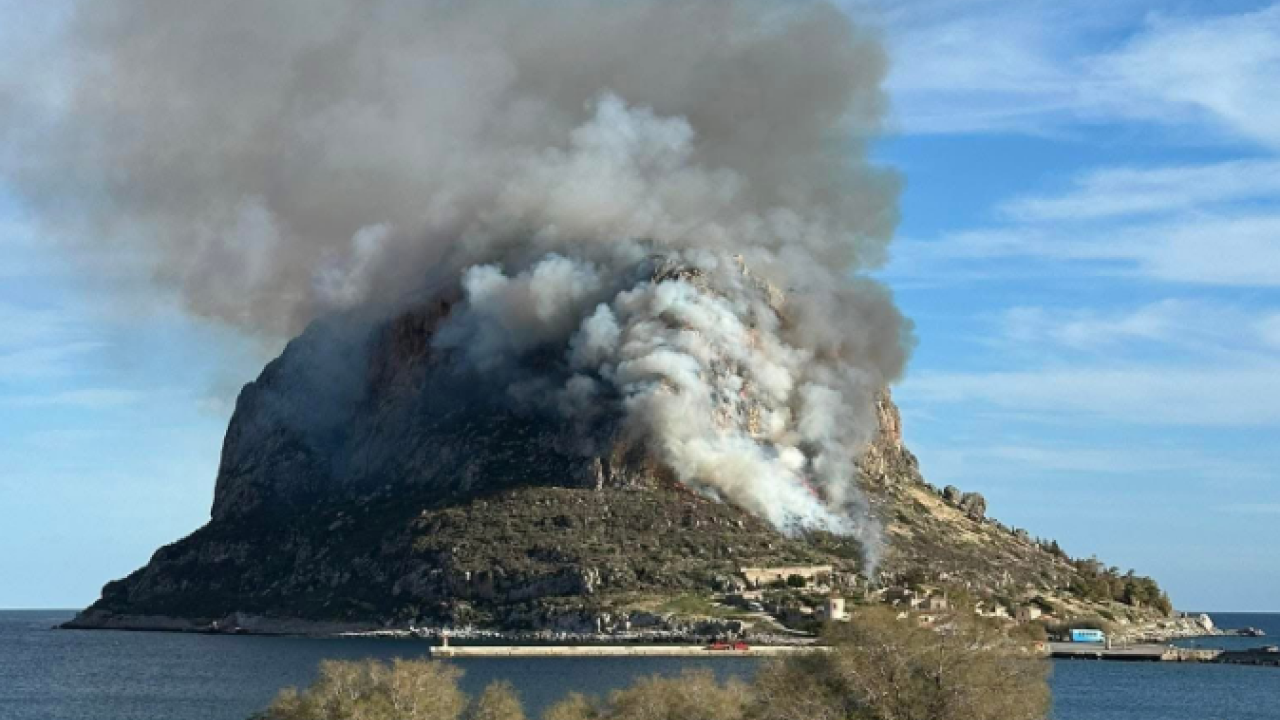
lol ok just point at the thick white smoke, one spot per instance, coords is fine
(670, 199)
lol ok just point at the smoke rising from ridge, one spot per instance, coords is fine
(670, 198)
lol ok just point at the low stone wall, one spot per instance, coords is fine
(762, 576)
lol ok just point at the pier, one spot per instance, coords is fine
(1131, 653)
(1262, 657)
(699, 651)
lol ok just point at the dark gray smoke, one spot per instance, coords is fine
(673, 197)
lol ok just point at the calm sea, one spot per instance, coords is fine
(87, 675)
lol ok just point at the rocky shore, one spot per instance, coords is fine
(235, 624)
(1187, 626)
(1165, 630)
(658, 629)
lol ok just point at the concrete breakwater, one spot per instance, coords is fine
(1149, 652)
(1164, 653)
(701, 651)
(1267, 657)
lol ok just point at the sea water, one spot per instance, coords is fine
(101, 675)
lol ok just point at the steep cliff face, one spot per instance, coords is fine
(365, 482)
(345, 412)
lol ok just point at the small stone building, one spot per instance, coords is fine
(935, 603)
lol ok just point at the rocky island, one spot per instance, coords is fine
(365, 486)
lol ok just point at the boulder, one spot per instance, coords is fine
(974, 505)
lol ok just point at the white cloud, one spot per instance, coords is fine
(1240, 250)
(976, 72)
(22, 327)
(1199, 329)
(1268, 329)
(1022, 461)
(41, 342)
(1139, 395)
(1223, 68)
(43, 361)
(1127, 191)
(83, 399)
(1251, 508)
(1085, 329)
(1213, 224)
(977, 66)
(1044, 67)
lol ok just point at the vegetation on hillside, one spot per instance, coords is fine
(522, 557)
(1099, 583)
(878, 668)
(500, 559)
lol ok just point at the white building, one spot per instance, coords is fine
(833, 610)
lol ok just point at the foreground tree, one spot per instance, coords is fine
(878, 667)
(404, 690)
(884, 668)
(689, 696)
(499, 701)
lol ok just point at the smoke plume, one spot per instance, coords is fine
(668, 203)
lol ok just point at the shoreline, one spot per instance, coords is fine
(1185, 626)
(493, 644)
(242, 624)
(1157, 633)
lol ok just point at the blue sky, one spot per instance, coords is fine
(1090, 250)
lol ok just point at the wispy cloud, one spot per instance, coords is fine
(44, 361)
(1195, 329)
(1208, 224)
(1268, 329)
(41, 342)
(1118, 192)
(967, 66)
(987, 68)
(1239, 251)
(1251, 508)
(1084, 329)
(1026, 461)
(83, 399)
(22, 326)
(1202, 248)
(1223, 69)
(1137, 395)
